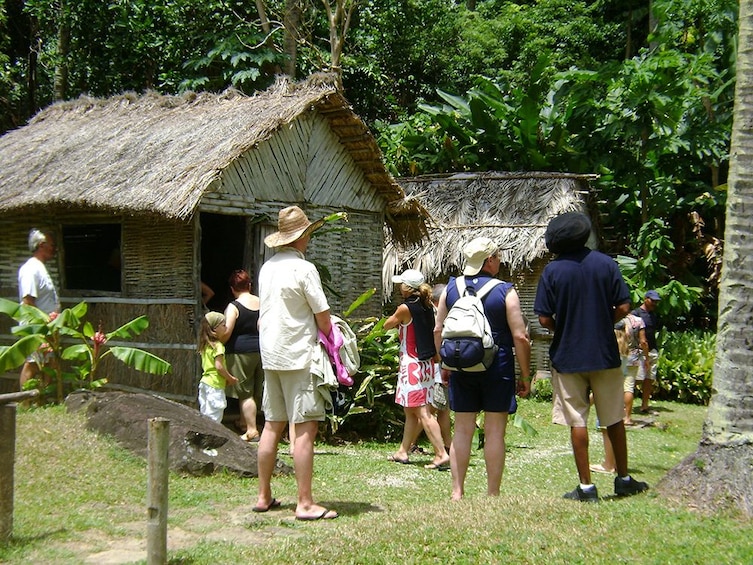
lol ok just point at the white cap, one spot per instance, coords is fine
(476, 252)
(410, 277)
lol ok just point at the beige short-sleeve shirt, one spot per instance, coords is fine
(290, 293)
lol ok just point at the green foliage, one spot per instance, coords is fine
(656, 127)
(372, 410)
(541, 389)
(686, 366)
(50, 337)
(393, 62)
(654, 250)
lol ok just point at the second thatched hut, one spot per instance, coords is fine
(510, 208)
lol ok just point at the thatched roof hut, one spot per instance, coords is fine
(150, 195)
(511, 208)
(161, 155)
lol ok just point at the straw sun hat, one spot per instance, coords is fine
(292, 224)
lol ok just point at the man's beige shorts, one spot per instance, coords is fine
(571, 397)
(290, 396)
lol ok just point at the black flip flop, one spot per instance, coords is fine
(323, 516)
(274, 504)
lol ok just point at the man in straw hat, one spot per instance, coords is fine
(493, 390)
(293, 308)
(580, 296)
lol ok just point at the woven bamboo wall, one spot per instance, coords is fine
(158, 259)
(303, 162)
(354, 260)
(526, 282)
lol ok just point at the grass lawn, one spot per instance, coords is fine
(81, 499)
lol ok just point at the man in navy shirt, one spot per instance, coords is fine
(580, 296)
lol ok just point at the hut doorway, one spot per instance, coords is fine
(223, 244)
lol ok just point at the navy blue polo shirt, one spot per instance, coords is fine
(580, 291)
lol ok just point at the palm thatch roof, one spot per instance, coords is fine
(155, 154)
(511, 208)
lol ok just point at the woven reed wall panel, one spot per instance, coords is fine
(303, 161)
(354, 260)
(183, 380)
(333, 178)
(168, 323)
(526, 281)
(272, 170)
(159, 259)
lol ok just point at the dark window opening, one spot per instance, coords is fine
(92, 257)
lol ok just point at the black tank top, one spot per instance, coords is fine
(423, 327)
(245, 336)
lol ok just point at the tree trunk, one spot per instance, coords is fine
(60, 86)
(291, 21)
(720, 473)
(34, 46)
(266, 28)
(338, 18)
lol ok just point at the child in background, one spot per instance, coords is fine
(215, 376)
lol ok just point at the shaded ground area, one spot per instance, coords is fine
(198, 445)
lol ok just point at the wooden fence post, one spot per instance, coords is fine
(156, 531)
(8, 458)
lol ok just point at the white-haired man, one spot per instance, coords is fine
(35, 288)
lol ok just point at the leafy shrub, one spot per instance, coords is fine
(368, 408)
(372, 411)
(541, 389)
(686, 366)
(685, 369)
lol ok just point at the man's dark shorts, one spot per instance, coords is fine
(474, 392)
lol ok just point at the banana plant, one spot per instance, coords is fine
(49, 335)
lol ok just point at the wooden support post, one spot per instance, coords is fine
(7, 460)
(156, 532)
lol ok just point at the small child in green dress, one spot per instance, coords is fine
(215, 376)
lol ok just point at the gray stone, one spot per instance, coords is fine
(198, 445)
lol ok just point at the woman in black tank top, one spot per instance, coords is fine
(242, 352)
